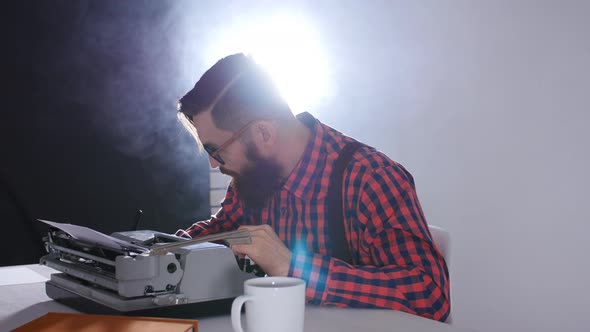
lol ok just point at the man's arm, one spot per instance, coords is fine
(226, 218)
(397, 265)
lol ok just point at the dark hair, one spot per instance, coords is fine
(237, 91)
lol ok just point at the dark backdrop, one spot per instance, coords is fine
(88, 130)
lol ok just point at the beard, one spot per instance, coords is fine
(258, 181)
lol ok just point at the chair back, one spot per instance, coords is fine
(442, 240)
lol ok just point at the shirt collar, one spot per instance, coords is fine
(304, 176)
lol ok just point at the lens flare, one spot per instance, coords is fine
(288, 48)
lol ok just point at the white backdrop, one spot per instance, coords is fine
(487, 104)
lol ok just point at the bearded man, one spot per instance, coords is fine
(283, 169)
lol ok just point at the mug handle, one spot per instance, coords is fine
(236, 312)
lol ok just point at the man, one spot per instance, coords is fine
(280, 167)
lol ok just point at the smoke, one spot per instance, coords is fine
(111, 75)
(138, 59)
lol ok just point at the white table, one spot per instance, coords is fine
(23, 302)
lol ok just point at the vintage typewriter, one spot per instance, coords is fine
(139, 272)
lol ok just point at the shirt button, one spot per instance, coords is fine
(283, 210)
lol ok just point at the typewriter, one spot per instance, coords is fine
(142, 271)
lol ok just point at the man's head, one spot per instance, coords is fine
(237, 91)
(235, 113)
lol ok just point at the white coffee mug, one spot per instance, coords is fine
(272, 304)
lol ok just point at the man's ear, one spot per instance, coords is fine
(265, 135)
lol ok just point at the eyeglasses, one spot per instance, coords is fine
(214, 152)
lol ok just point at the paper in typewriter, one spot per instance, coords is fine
(91, 236)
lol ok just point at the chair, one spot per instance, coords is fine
(442, 240)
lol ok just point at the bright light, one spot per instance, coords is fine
(288, 48)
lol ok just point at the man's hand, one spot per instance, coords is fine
(266, 250)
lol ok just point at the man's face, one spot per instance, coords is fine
(256, 178)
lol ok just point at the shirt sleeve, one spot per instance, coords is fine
(225, 219)
(396, 266)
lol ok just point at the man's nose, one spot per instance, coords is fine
(214, 163)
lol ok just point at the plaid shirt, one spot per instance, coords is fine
(395, 263)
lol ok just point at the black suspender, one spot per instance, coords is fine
(336, 220)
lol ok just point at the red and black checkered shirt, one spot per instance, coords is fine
(395, 263)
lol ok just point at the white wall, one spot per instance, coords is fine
(218, 184)
(486, 103)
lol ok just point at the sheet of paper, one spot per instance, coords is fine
(91, 236)
(14, 275)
